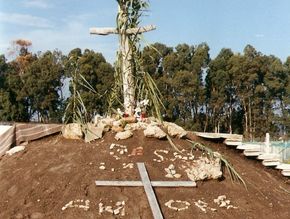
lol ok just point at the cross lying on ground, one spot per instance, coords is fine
(148, 186)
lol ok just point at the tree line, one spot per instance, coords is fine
(246, 93)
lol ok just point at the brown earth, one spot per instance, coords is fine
(53, 171)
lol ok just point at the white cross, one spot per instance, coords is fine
(148, 186)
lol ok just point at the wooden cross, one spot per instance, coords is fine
(148, 186)
(126, 54)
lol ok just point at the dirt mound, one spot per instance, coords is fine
(55, 178)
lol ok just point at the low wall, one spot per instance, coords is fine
(7, 138)
(24, 132)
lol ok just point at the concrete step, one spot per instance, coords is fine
(286, 173)
(252, 153)
(249, 146)
(283, 166)
(267, 156)
(271, 163)
(233, 143)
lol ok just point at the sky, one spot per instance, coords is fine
(64, 24)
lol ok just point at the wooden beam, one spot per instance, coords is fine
(118, 183)
(103, 31)
(153, 183)
(138, 30)
(149, 192)
(110, 30)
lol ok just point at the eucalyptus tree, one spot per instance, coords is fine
(42, 85)
(183, 87)
(220, 93)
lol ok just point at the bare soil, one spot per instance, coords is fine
(51, 172)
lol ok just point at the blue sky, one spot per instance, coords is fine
(64, 24)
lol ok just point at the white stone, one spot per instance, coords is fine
(153, 131)
(119, 203)
(102, 167)
(116, 211)
(175, 130)
(72, 131)
(112, 146)
(15, 150)
(173, 172)
(92, 133)
(177, 175)
(223, 204)
(136, 126)
(123, 135)
(204, 168)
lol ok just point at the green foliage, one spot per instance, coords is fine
(246, 93)
(43, 96)
(91, 78)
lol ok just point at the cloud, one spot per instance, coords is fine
(259, 35)
(43, 4)
(25, 20)
(67, 35)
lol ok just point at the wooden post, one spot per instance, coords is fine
(126, 57)
(126, 66)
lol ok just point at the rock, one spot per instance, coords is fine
(173, 172)
(136, 126)
(106, 122)
(92, 133)
(123, 135)
(117, 123)
(175, 130)
(119, 203)
(102, 167)
(204, 169)
(37, 215)
(130, 119)
(72, 131)
(15, 150)
(116, 211)
(177, 175)
(117, 129)
(153, 131)
(223, 204)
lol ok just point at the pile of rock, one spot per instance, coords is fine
(160, 157)
(202, 205)
(118, 210)
(223, 202)
(171, 172)
(183, 205)
(85, 205)
(179, 156)
(204, 168)
(123, 127)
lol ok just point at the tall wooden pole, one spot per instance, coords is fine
(125, 53)
(126, 65)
